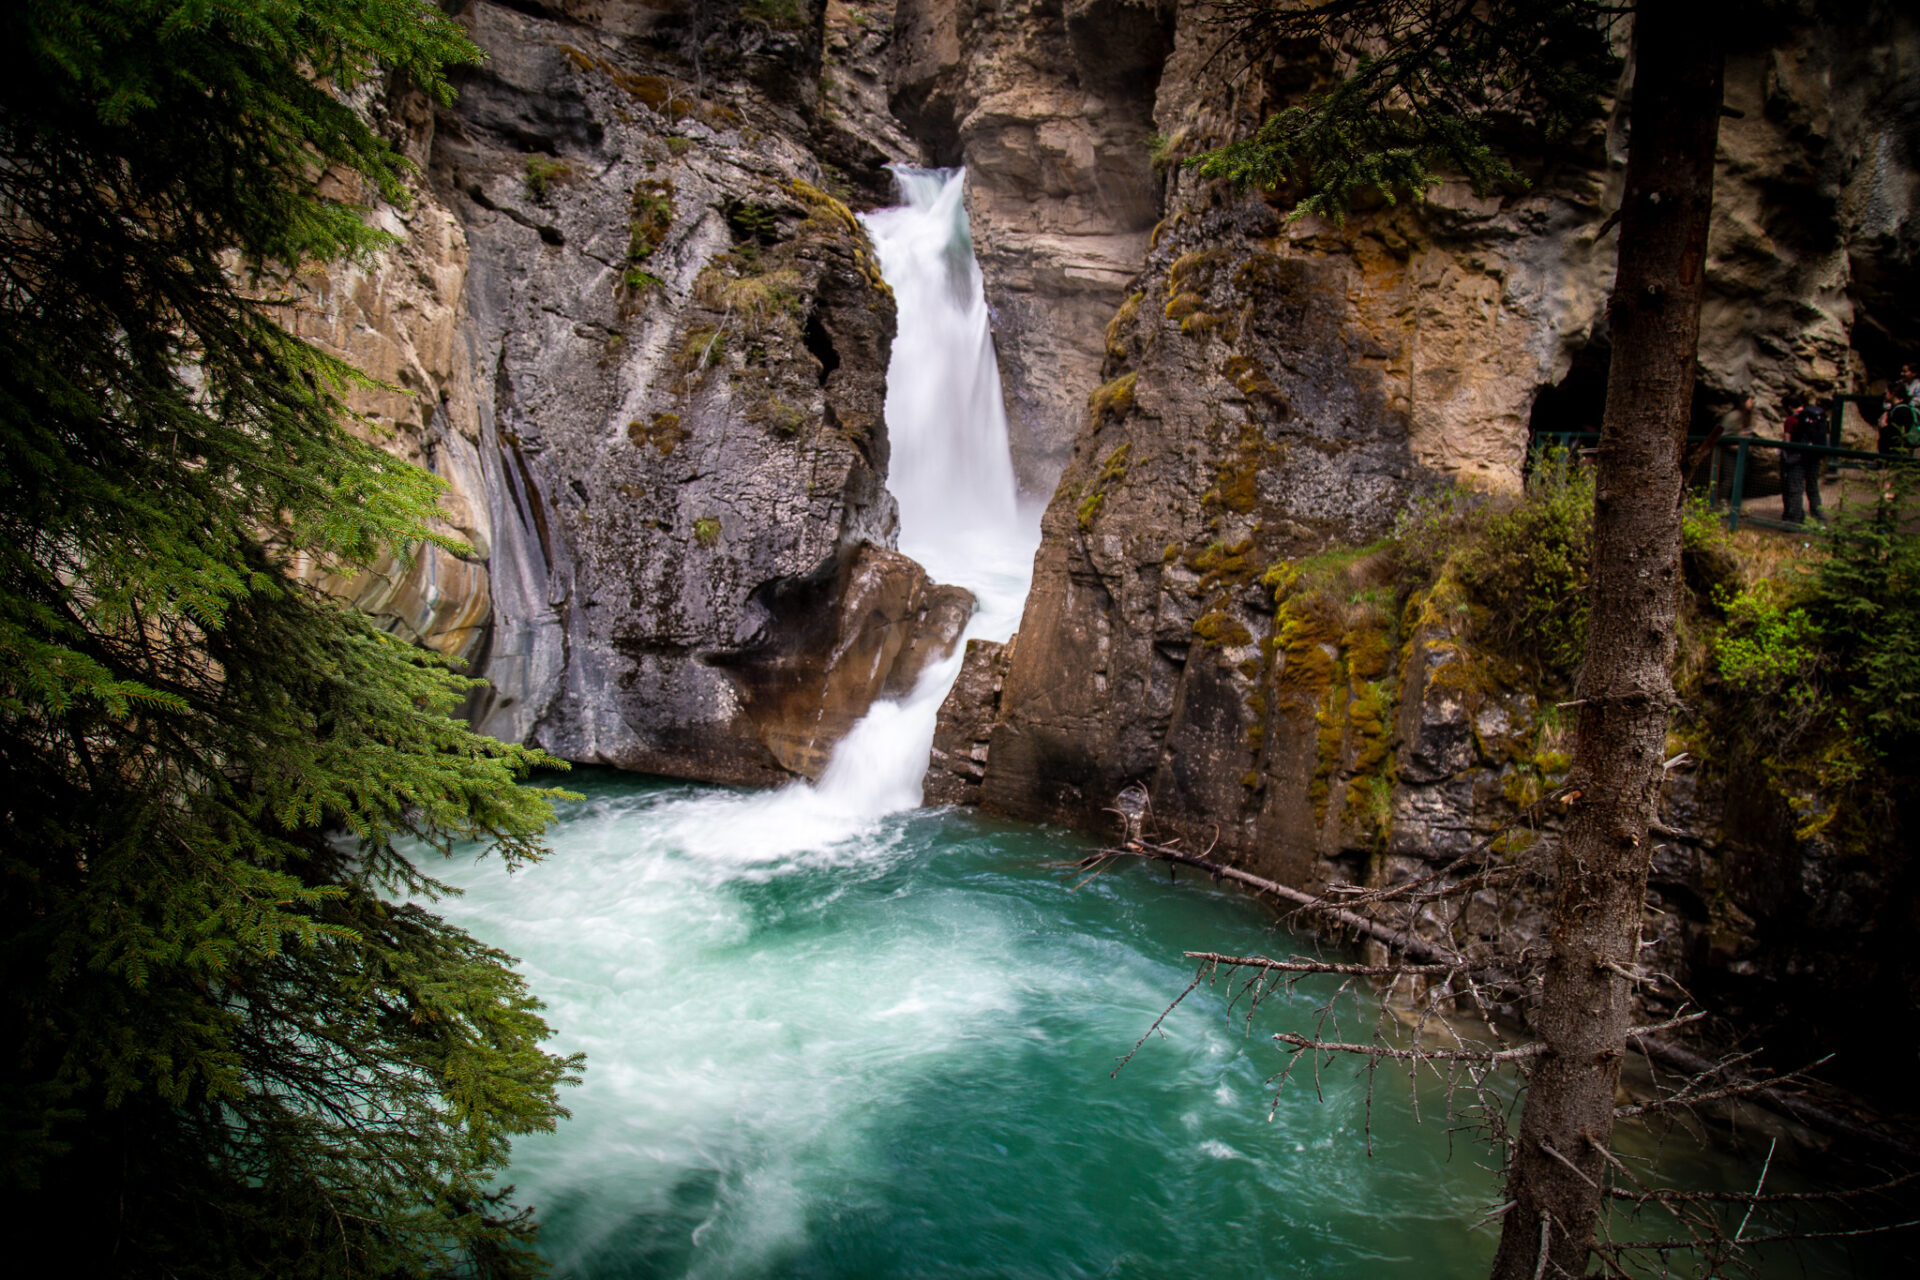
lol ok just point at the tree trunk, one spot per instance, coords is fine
(1625, 687)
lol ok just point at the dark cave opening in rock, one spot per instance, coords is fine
(1576, 403)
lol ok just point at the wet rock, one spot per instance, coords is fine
(831, 644)
(963, 734)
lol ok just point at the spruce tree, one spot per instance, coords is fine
(232, 1039)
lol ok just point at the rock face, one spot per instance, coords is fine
(964, 730)
(398, 320)
(1271, 389)
(645, 345)
(648, 349)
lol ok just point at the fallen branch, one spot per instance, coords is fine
(1669, 1055)
(1533, 1049)
(1808, 1113)
(1319, 966)
(1419, 948)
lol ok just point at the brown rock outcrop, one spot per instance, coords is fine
(1273, 388)
(860, 630)
(964, 730)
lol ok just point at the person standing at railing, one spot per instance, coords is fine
(1900, 421)
(1737, 421)
(1800, 469)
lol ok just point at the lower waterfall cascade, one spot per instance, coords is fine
(831, 1033)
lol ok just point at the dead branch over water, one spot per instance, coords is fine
(1444, 980)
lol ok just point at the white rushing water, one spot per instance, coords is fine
(960, 517)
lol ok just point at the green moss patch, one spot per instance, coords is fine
(1121, 324)
(663, 431)
(1111, 473)
(1114, 400)
(1222, 630)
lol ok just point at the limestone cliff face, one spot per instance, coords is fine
(1206, 621)
(399, 321)
(648, 349)
(686, 339)
(1273, 388)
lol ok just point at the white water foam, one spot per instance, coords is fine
(960, 517)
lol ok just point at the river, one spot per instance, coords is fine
(830, 1033)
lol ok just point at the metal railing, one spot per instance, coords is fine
(1740, 447)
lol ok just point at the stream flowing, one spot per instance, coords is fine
(831, 1033)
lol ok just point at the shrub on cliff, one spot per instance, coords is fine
(1866, 599)
(1528, 566)
(234, 1048)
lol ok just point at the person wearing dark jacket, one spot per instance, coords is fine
(1800, 469)
(1900, 422)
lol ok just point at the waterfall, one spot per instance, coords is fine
(960, 518)
(951, 473)
(951, 470)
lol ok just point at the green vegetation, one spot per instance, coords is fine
(1338, 149)
(1865, 600)
(1812, 666)
(663, 431)
(1769, 645)
(785, 14)
(650, 218)
(1111, 473)
(238, 1041)
(1114, 399)
(543, 174)
(756, 299)
(706, 530)
(1164, 152)
(785, 419)
(1528, 566)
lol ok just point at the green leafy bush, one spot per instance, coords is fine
(1528, 567)
(1770, 645)
(1865, 599)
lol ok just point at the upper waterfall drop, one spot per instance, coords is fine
(960, 517)
(951, 470)
(951, 474)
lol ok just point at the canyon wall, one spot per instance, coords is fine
(1208, 621)
(1270, 388)
(635, 326)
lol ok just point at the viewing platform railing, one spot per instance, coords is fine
(1740, 447)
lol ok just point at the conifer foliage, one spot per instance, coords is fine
(1416, 88)
(231, 1041)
